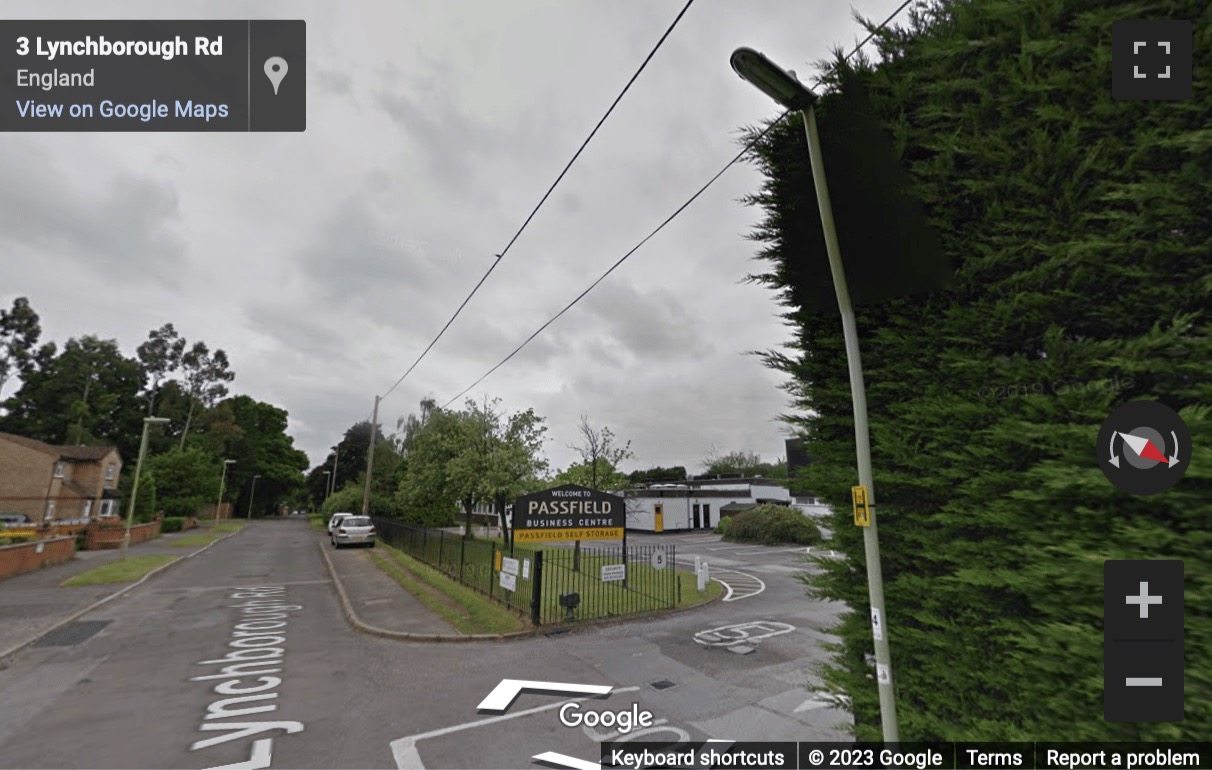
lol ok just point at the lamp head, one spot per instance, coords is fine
(771, 79)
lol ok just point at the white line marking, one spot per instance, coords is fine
(261, 757)
(809, 705)
(567, 761)
(405, 752)
(509, 689)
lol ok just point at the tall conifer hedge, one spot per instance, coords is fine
(1081, 231)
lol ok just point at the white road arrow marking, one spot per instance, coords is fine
(504, 694)
(563, 760)
(261, 757)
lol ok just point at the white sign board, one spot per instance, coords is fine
(509, 582)
(509, 566)
(614, 572)
(877, 628)
(526, 569)
(658, 557)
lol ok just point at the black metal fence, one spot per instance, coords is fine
(541, 580)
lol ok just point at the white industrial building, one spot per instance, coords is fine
(699, 504)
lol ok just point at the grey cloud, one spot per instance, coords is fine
(121, 226)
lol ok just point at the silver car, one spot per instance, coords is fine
(336, 519)
(354, 530)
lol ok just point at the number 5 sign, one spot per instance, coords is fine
(658, 557)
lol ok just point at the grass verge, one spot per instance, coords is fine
(229, 526)
(647, 590)
(193, 541)
(128, 571)
(463, 608)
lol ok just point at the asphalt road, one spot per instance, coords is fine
(123, 694)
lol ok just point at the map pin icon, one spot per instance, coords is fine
(275, 70)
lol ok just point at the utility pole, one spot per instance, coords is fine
(336, 453)
(370, 457)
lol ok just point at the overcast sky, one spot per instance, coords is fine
(324, 262)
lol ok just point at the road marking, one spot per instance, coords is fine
(404, 750)
(508, 691)
(810, 704)
(726, 636)
(567, 761)
(744, 581)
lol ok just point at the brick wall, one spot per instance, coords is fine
(99, 536)
(27, 557)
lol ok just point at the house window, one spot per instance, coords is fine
(88, 507)
(109, 474)
(59, 469)
(107, 507)
(50, 509)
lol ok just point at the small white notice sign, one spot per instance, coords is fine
(509, 582)
(526, 569)
(877, 626)
(612, 572)
(509, 566)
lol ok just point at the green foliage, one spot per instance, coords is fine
(658, 474)
(19, 333)
(582, 474)
(1079, 229)
(145, 503)
(768, 524)
(172, 524)
(347, 500)
(186, 480)
(747, 464)
(722, 526)
(86, 394)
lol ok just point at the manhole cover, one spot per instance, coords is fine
(72, 633)
(664, 684)
(741, 649)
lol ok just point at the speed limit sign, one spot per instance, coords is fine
(658, 557)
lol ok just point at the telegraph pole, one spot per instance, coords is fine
(370, 457)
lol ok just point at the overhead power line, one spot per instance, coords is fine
(543, 200)
(672, 216)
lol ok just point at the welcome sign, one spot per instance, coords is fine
(569, 512)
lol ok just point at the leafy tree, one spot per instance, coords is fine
(676, 473)
(746, 464)
(205, 375)
(160, 357)
(600, 458)
(19, 333)
(1070, 298)
(146, 502)
(425, 495)
(495, 456)
(186, 480)
(259, 444)
(86, 394)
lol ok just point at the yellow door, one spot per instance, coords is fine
(660, 517)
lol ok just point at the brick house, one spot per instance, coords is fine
(48, 482)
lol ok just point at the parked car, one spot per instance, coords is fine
(353, 530)
(15, 520)
(335, 520)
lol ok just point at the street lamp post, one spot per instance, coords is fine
(783, 87)
(222, 481)
(134, 490)
(327, 483)
(251, 495)
(336, 452)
